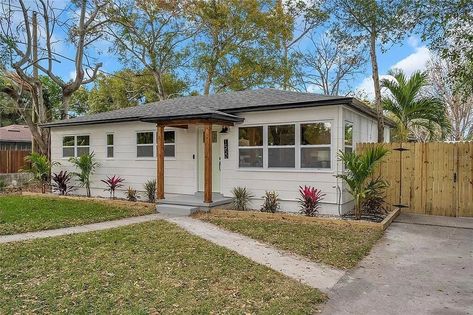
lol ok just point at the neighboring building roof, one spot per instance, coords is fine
(15, 133)
(218, 106)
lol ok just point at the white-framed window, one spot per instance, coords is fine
(282, 146)
(74, 146)
(145, 144)
(316, 145)
(348, 137)
(110, 145)
(250, 146)
(169, 143)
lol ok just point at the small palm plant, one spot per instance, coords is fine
(40, 168)
(86, 165)
(359, 171)
(241, 198)
(150, 188)
(113, 183)
(61, 182)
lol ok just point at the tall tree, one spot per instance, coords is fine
(458, 102)
(236, 43)
(375, 23)
(29, 54)
(151, 35)
(328, 63)
(410, 108)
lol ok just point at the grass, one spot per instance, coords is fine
(20, 214)
(334, 242)
(149, 268)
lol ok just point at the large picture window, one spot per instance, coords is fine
(145, 143)
(250, 142)
(74, 146)
(316, 139)
(281, 146)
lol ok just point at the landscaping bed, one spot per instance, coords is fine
(333, 241)
(149, 268)
(34, 212)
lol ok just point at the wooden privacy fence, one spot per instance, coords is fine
(429, 178)
(12, 161)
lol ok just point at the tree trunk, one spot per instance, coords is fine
(377, 87)
(159, 84)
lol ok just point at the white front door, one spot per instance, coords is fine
(216, 159)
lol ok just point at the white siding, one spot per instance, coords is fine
(181, 171)
(180, 175)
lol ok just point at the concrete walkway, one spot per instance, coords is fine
(78, 229)
(315, 275)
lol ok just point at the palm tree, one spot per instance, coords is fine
(86, 164)
(40, 168)
(359, 174)
(410, 108)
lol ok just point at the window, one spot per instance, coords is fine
(144, 144)
(348, 137)
(250, 143)
(316, 145)
(281, 146)
(73, 146)
(110, 145)
(169, 144)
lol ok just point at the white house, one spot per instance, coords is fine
(263, 139)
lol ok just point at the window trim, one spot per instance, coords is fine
(351, 146)
(75, 146)
(154, 145)
(251, 147)
(109, 145)
(298, 147)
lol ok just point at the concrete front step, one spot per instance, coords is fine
(175, 209)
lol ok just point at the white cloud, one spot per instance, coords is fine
(417, 61)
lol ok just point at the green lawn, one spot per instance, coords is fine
(154, 267)
(20, 214)
(333, 242)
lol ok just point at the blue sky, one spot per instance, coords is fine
(410, 55)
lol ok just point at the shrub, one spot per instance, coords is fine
(86, 164)
(61, 182)
(150, 188)
(373, 203)
(131, 194)
(40, 168)
(113, 183)
(309, 200)
(2, 184)
(241, 198)
(271, 202)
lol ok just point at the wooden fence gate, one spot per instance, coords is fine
(429, 178)
(12, 161)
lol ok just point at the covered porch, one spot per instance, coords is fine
(200, 199)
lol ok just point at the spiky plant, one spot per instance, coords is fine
(241, 198)
(113, 183)
(131, 194)
(150, 188)
(86, 164)
(40, 167)
(359, 171)
(270, 202)
(309, 200)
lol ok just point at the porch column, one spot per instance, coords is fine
(208, 163)
(159, 161)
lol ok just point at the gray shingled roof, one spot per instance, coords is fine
(218, 106)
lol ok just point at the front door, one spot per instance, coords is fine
(216, 159)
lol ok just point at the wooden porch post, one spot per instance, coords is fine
(159, 161)
(208, 163)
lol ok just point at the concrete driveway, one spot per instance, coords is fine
(418, 267)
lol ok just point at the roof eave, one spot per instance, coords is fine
(205, 116)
